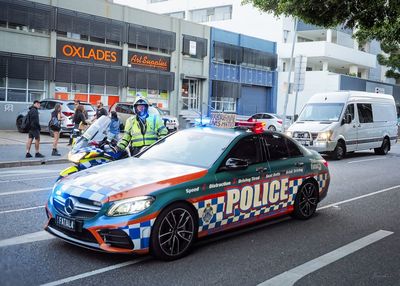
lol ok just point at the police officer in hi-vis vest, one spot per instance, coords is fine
(141, 129)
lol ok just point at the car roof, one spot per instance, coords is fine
(65, 101)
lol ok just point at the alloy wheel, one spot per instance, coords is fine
(308, 200)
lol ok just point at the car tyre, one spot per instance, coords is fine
(174, 232)
(306, 201)
(272, 128)
(339, 152)
(385, 147)
(19, 123)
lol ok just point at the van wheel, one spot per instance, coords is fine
(339, 152)
(384, 149)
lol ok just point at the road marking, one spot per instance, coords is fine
(358, 161)
(94, 272)
(292, 276)
(26, 179)
(26, 238)
(25, 191)
(28, 172)
(21, 210)
(359, 197)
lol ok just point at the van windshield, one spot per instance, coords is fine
(321, 112)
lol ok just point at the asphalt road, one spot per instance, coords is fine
(354, 239)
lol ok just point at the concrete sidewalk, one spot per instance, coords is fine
(13, 150)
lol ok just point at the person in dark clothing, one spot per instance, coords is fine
(34, 130)
(100, 110)
(79, 117)
(56, 118)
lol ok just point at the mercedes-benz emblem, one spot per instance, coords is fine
(69, 206)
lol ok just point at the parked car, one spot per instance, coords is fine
(180, 189)
(67, 110)
(125, 110)
(273, 122)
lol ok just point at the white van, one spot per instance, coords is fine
(340, 122)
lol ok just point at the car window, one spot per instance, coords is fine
(50, 105)
(350, 110)
(71, 105)
(280, 147)
(88, 107)
(190, 147)
(365, 112)
(267, 116)
(124, 108)
(247, 149)
(43, 105)
(257, 116)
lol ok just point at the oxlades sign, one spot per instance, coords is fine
(88, 53)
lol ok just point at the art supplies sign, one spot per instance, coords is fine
(149, 61)
(223, 120)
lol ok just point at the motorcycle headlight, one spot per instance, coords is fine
(76, 157)
(324, 136)
(289, 133)
(130, 206)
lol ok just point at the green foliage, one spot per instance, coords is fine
(372, 19)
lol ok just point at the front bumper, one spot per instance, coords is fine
(113, 235)
(320, 146)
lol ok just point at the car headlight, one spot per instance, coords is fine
(289, 133)
(130, 206)
(75, 158)
(324, 136)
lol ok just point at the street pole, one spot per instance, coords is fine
(289, 75)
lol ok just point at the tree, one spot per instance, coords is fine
(372, 19)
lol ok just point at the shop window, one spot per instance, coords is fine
(79, 88)
(2, 94)
(63, 87)
(36, 84)
(16, 95)
(99, 89)
(16, 83)
(112, 90)
(2, 82)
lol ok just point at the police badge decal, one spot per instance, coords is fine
(208, 214)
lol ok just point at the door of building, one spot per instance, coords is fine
(253, 99)
(191, 94)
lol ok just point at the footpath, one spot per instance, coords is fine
(13, 149)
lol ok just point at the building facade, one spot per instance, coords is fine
(97, 50)
(335, 61)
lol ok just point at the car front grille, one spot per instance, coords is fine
(116, 238)
(83, 208)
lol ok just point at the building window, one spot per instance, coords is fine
(179, 15)
(146, 38)
(223, 104)
(194, 47)
(212, 14)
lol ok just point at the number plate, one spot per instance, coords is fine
(304, 143)
(170, 125)
(66, 223)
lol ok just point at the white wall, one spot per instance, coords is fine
(315, 81)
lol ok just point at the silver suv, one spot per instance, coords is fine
(67, 110)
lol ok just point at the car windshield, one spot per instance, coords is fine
(321, 112)
(190, 147)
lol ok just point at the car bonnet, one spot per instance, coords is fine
(126, 178)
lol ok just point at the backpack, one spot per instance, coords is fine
(25, 123)
(55, 124)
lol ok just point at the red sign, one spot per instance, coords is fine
(149, 61)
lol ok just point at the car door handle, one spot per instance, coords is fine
(262, 169)
(299, 164)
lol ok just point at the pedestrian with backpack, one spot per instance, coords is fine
(55, 126)
(34, 130)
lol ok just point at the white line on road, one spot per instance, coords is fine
(30, 237)
(21, 210)
(26, 179)
(24, 191)
(290, 277)
(26, 172)
(94, 272)
(360, 197)
(365, 160)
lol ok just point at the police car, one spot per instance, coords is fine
(188, 185)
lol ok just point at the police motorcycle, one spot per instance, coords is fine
(93, 148)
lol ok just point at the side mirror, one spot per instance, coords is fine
(236, 164)
(347, 119)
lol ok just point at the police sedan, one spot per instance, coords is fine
(190, 184)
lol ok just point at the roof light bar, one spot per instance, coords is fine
(254, 126)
